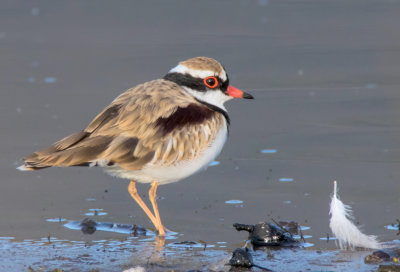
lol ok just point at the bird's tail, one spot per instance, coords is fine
(78, 149)
(27, 167)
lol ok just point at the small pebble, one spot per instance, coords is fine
(241, 257)
(88, 226)
(377, 257)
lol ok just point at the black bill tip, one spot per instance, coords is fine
(247, 96)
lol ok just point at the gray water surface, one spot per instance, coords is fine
(325, 76)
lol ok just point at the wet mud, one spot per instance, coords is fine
(145, 253)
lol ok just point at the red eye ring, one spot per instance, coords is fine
(211, 82)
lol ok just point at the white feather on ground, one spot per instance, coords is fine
(347, 234)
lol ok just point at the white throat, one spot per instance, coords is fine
(213, 97)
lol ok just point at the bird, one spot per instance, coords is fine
(157, 132)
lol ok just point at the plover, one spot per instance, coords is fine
(158, 132)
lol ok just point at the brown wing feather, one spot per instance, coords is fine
(125, 132)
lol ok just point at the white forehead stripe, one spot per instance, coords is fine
(196, 73)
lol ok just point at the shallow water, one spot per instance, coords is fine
(325, 76)
(128, 253)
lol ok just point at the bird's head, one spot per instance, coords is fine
(205, 79)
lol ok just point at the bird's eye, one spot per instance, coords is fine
(211, 82)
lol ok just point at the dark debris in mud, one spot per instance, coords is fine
(145, 252)
(242, 260)
(267, 234)
(378, 256)
(290, 226)
(90, 226)
(241, 257)
(398, 226)
(389, 268)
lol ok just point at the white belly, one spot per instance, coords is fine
(173, 173)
